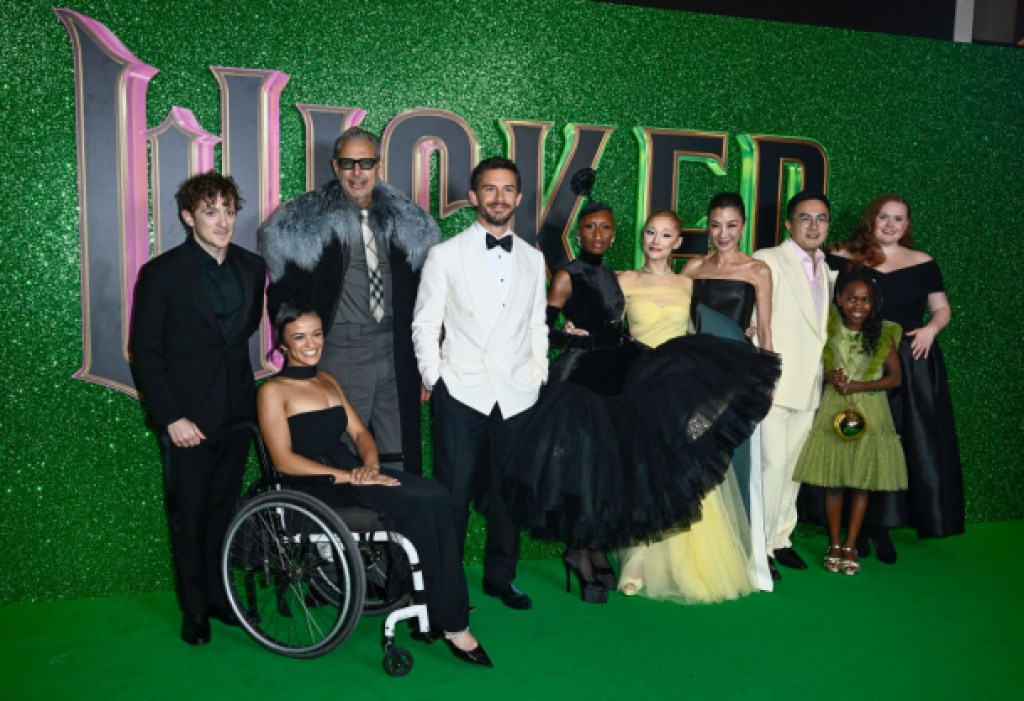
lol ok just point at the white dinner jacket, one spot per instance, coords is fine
(490, 353)
(799, 331)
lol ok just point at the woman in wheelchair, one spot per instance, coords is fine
(302, 414)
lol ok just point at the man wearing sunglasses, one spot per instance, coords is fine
(353, 249)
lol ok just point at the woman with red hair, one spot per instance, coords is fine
(915, 298)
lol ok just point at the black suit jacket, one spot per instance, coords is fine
(182, 364)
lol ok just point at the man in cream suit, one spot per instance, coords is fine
(486, 289)
(800, 299)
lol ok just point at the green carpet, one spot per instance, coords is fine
(943, 623)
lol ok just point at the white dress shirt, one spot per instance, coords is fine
(502, 264)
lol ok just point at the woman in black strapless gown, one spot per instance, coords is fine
(728, 287)
(303, 415)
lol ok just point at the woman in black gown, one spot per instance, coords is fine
(728, 287)
(625, 440)
(302, 415)
(922, 410)
(553, 481)
(727, 280)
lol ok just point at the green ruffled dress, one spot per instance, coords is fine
(874, 462)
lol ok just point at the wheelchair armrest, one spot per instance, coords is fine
(303, 480)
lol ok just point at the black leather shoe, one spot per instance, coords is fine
(776, 575)
(788, 557)
(510, 595)
(885, 551)
(195, 629)
(224, 614)
(475, 656)
(863, 546)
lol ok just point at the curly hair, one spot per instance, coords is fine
(206, 187)
(862, 246)
(871, 329)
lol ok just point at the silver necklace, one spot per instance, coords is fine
(651, 272)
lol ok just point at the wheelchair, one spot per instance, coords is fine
(299, 574)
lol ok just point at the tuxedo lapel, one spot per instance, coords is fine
(796, 278)
(826, 283)
(522, 281)
(483, 286)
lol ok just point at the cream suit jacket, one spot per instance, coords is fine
(799, 331)
(490, 353)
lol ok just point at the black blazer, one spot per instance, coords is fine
(181, 363)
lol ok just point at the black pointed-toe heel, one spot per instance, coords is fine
(475, 656)
(590, 591)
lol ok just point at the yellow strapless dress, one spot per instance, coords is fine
(711, 560)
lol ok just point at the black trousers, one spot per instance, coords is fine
(201, 486)
(471, 452)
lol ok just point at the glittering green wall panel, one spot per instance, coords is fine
(939, 122)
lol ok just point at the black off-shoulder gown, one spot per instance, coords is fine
(922, 411)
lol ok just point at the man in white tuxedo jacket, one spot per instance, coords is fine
(486, 289)
(800, 299)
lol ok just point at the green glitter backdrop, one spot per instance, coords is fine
(939, 122)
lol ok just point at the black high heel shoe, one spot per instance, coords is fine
(475, 656)
(590, 591)
(605, 576)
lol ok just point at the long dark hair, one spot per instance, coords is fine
(871, 329)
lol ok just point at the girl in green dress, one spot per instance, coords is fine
(853, 444)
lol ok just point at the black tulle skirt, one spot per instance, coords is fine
(922, 412)
(629, 458)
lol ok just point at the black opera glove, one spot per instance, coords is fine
(558, 338)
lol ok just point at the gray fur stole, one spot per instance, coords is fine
(299, 230)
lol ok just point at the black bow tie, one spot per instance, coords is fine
(505, 242)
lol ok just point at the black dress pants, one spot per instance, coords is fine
(201, 486)
(471, 452)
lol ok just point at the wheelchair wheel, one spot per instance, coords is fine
(397, 661)
(293, 574)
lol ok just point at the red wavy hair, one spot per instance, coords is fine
(861, 246)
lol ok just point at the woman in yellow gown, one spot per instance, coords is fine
(712, 560)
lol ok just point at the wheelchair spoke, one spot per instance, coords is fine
(291, 575)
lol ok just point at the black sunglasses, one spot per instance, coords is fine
(350, 163)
